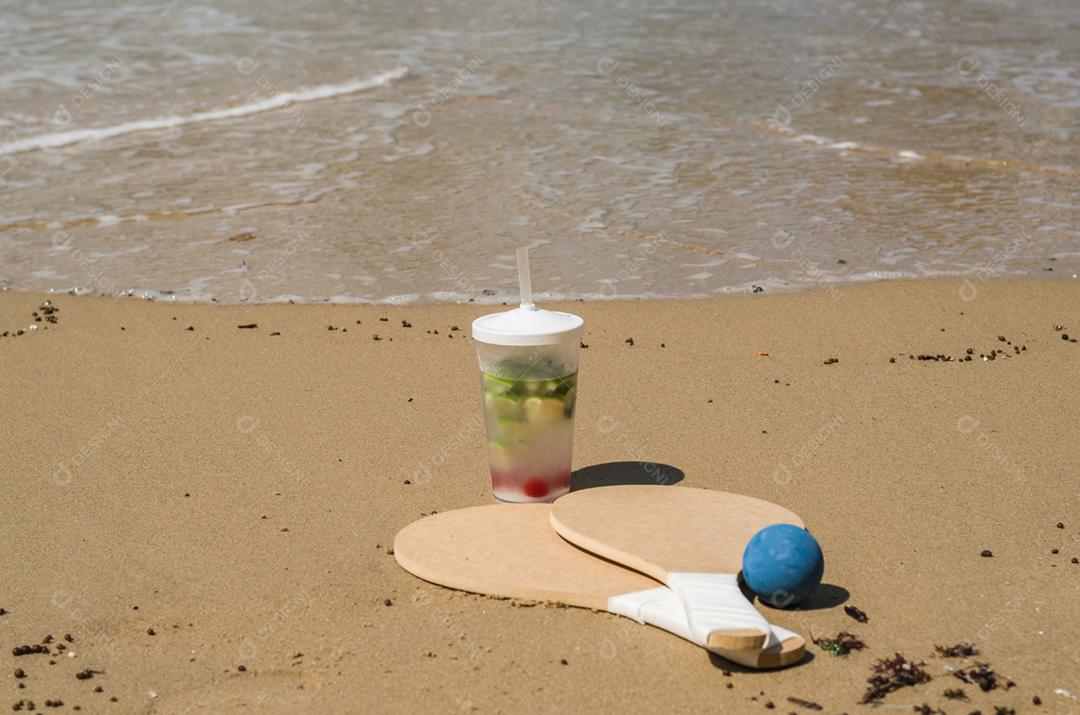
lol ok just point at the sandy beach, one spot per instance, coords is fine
(207, 509)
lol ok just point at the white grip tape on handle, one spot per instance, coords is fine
(714, 602)
(660, 607)
(656, 606)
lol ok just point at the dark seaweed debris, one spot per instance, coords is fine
(925, 709)
(956, 651)
(840, 644)
(892, 674)
(808, 704)
(29, 649)
(48, 311)
(982, 675)
(955, 694)
(856, 613)
(1010, 350)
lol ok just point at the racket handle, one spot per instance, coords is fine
(656, 606)
(660, 607)
(719, 614)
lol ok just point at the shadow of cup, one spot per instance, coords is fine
(615, 473)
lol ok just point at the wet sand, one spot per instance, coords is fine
(208, 511)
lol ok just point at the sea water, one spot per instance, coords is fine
(260, 151)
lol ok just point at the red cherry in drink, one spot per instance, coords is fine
(535, 488)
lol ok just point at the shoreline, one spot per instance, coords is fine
(773, 286)
(209, 512)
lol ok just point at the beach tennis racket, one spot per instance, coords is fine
(510, 550)
(690, 539)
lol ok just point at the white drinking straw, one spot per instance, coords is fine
(524, 281)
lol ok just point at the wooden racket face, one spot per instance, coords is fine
(659, 530)
(510, 550)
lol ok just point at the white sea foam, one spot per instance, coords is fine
(196, 290)
(282, 99)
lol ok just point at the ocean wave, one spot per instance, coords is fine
(195, 292)
(909, 155)
(282, 99)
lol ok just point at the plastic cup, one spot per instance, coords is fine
(528, 376)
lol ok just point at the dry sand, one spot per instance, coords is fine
(236, 492)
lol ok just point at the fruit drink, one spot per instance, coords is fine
(530, 432)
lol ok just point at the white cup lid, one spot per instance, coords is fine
(526, 326)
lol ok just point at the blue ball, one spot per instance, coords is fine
(783, 564)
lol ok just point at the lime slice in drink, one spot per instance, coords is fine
(497, 385)
(503, 406)
(568, 402)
